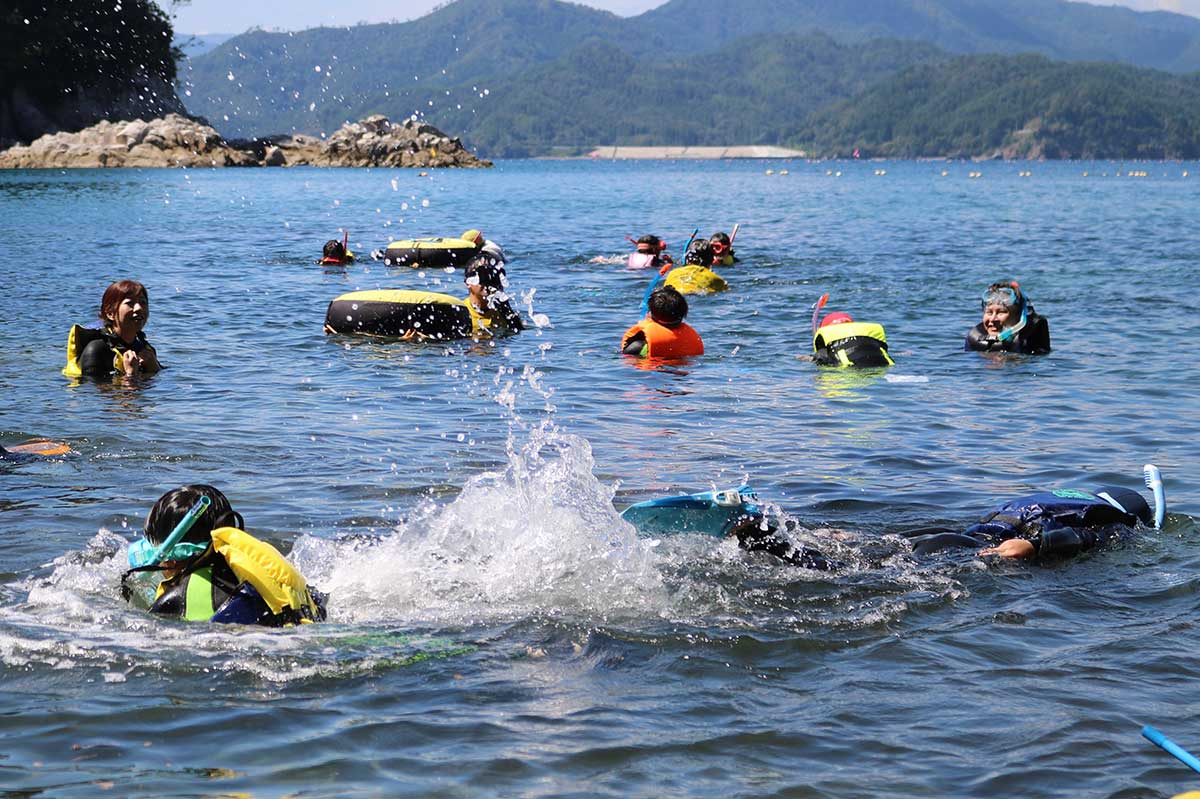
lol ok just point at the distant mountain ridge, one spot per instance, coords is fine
(515, 77)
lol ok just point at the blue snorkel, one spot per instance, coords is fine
(143, 554)
(666, 268)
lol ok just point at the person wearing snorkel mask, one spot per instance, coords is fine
(213, 570)
(1010, 324)
(1051, 525)
(486, 280)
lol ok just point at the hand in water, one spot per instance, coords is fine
(1012, 548)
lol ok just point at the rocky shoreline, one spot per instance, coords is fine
(179, 141)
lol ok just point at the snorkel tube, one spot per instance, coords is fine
(817, 306)
(1153, 478)
(662, 273)
(143, 554)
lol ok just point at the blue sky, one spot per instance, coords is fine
(235, 16)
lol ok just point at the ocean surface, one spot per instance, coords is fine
(495, 628)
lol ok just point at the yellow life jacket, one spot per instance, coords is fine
(77, 341)
(278, 582)
(840, 340)
(693, 279)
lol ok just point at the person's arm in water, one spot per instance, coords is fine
(1059, 542)
(754, 534)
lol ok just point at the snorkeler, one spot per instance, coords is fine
(1010, 324)
(722, 248)
(214, 570)
(729, 513)
(840, 341)
(1052, 524)
(663, 333)
(486, 282)
(120, 346)
(337, 253)
(651, 253)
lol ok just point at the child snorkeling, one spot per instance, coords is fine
(840, 341)
(1052, 524)
(651, 252)
(722, 249)
(213, 570)
(336, 253)
(486, 282)
(663, 333)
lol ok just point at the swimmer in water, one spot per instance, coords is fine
(651, 253)
(1010, 324)
(121, 345)
(663, 333)
(1050, 524)
(213, 570)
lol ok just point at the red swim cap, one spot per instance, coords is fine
(836, 318)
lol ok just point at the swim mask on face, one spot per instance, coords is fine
(144, 553)
(1001, 295)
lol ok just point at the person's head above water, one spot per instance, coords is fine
(125, 308)
(172, 506)
(668, 307)
(651, 244)
(699, 253)
(1003, 305)
(333, 250)
(474, 236)
(720, 244)
(1129, 501)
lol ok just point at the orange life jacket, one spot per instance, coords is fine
(666, 342)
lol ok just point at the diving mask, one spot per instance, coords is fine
(143, 553)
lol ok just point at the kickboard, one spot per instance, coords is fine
(708, 513)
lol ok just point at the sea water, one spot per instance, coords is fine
(495, 628)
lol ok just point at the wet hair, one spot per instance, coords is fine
(650, 243)
(700, 253)
(174, 505)
(334, 249)
(721, 237)
(667, 306)
(485, 271)
(117, 293)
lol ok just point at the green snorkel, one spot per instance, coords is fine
(143, 554)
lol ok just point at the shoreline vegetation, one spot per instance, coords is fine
(783, 93)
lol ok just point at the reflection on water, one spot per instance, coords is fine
(459, 501)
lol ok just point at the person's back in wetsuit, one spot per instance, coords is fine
(1052, 524)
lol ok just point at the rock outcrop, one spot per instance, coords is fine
(178, 141)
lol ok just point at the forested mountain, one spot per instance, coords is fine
(1017, 107)
(1066, 31)
(519, 77)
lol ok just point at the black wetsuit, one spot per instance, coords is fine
(1058, 524)
(1033, 339)
(755, 536)
(96, 359)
